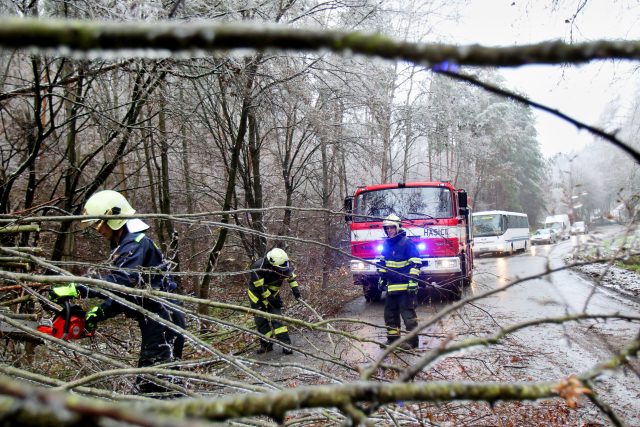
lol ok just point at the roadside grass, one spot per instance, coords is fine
(632, 263)
(628, 246)
(625, 247)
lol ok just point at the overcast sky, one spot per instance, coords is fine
(582, 92)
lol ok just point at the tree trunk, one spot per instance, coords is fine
(64, 247)
(142, 89)
(212, 260)
(34, 145)
(326, 218)
(287, 176)
(170, 248)
(149, 157)
(257, 218)
(188, 188)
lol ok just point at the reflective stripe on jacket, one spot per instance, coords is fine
(136, 262)
(400, 267)
(265, 281)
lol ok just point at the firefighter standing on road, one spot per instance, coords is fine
(399, 270)
(138, 263)
(267, 275)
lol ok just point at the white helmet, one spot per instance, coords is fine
(392, 220)
(278, 258)
(107, 202)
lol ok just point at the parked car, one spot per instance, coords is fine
(579, 227)
(544, 236)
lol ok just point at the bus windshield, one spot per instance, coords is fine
(406, 202)
(488, 225)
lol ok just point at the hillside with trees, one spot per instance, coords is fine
(229, 152)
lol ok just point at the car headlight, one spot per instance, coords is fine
(358, 266)
(447, 263)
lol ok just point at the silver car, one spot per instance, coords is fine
(544, 236)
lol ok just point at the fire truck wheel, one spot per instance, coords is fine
(425, 296)
(458, 286)
(466, 277)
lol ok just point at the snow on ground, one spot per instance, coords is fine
(615, 278)
(614, 242)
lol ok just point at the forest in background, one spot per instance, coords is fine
(246, 151)
(225, 132)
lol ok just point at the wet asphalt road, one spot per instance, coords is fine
(547, 352)
(559, 351)
(539, 353)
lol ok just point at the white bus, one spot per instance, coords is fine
(500, 232)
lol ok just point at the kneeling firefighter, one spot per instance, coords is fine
(399, 270)
(267, 275)
(137, 263)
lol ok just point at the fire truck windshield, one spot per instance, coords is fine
(406, 202)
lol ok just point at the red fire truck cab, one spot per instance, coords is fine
(435, 215)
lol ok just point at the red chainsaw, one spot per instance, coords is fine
(67, 324)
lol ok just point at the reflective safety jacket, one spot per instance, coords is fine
(400, 267)
(265, 281)
(137, 263)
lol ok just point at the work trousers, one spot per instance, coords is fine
(400, 304)
(160, 344)
(270, 328)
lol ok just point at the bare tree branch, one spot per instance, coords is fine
(167, 38)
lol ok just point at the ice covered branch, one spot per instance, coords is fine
(167, 38)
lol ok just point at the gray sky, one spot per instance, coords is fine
(582, 92)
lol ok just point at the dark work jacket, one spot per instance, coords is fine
(265, 280)
(138, 263)
(401, 262)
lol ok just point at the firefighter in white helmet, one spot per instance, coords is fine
(399, 270)
(137, 263)
(267, 275)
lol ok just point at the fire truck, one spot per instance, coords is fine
(435, 215)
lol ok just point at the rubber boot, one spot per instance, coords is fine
(414, 343)
(405, 346)
(390, 340)
(284, 338)
(265, 347)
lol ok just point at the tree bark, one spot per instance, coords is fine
(214, 254)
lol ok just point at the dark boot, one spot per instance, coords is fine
(405, 346)
(285, 339)
(390, 340)
(265, 348)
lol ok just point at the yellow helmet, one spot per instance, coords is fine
(107, 202)
(278, 258)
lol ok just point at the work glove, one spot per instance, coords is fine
(91, 319)
(382, 284)
(296, 292)
(413, 287)
(60, 293)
